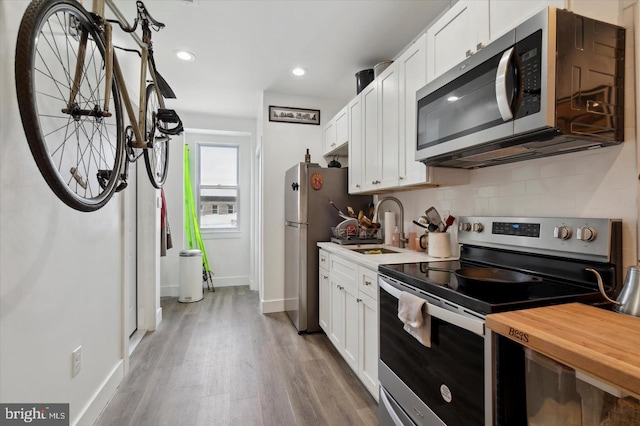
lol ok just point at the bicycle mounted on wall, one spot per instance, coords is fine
(70, 91)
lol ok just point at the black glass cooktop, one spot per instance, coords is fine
(438, 278)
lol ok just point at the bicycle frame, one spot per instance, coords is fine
(112, 65)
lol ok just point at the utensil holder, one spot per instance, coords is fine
(439, 244)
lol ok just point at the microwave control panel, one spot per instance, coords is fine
(530, 57)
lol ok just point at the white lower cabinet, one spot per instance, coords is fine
(351, 350)
(337, 317)
(324, 288)
(368, 343)
(349, 315)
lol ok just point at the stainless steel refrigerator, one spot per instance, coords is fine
(308, 188)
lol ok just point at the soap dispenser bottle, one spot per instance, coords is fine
(395, 238)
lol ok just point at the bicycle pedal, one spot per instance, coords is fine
(103, 178)
(121, 186)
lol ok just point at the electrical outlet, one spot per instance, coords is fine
(76, 361)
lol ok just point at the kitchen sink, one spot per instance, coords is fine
(375, 251)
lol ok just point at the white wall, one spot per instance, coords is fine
(229, 255)
(283, 145)
(61, 273)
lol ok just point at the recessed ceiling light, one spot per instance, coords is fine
(185, 56)
(299, 71)
(452, 98)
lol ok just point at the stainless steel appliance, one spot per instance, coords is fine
(469, 375)
(552, 85)
(308, 220)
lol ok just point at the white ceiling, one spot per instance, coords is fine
(243, 48)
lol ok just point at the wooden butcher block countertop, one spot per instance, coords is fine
(600, 343)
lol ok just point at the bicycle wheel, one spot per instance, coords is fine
(156, 156)
(76, 144)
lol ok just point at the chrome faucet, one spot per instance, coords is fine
(403, 240)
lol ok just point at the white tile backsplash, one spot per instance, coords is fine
(599, 183)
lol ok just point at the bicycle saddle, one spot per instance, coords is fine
(143, 15)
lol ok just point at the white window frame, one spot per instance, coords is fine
(199, 186)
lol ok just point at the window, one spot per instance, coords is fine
(218, 190)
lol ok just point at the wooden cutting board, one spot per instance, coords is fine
(600, 343)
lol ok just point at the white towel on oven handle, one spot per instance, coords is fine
(413, 311)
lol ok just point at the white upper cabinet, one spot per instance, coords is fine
(342, 128)
(328, 137)
(370, 166)
(388, 126)
(355, 145)
(336, 134)
(459, 33)
(412, 71)
(505, 15)
(472, 24)
(382, 134)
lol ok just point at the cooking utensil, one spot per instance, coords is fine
(448, 222)
(372, 209)
(434, 217)
(421, 225)
(342, 215)
(628, 301)
(351, 212)
(494, 280)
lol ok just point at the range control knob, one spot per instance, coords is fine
(478, 227)
(562, 232)
(586, 234)
(464, 226)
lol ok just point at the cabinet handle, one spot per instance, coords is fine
(468, 53)
(480, 46)
(400, 177)
(333, 144)
(325, 277)
(357, 185)
(367, 283)
(358, 300)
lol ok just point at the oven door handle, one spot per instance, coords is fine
(387, 405)
(475, 326)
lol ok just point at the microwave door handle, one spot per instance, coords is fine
(504, 106)
(469, 324)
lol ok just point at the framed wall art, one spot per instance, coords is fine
(294, 115)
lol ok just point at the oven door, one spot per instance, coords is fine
(448, 378)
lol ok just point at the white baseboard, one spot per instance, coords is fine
(158, 317)
(269, 306)
(169, 290)
(230, 281)
(173, 290)
(101, 398)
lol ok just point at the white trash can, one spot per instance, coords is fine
(190, 276)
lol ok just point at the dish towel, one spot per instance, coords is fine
(414, 314)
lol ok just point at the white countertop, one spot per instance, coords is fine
(372, 261)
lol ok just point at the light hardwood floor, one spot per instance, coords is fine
(221, 362)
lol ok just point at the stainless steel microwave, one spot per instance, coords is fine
(554, 84)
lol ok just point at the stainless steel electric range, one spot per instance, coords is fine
(469, 375)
